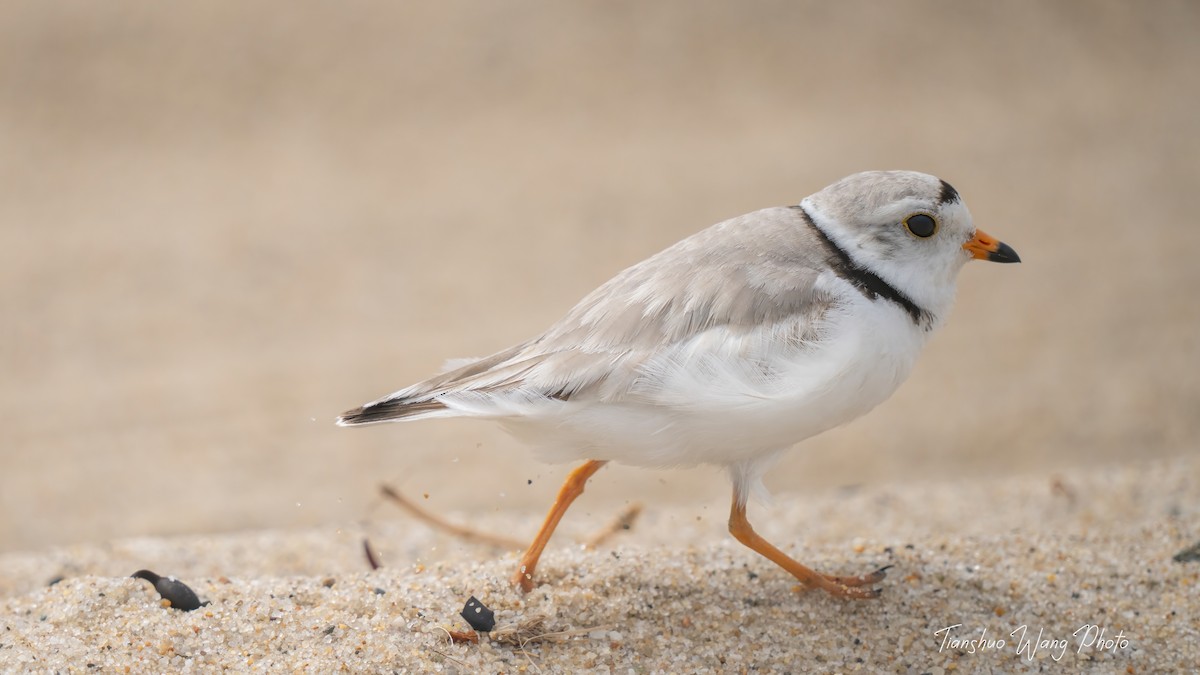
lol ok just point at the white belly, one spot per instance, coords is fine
(721, 400)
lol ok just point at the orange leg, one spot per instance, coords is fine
(845, 587)
(572, 488)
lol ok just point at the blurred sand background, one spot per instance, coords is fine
(223, 223)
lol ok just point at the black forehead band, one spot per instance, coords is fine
(948, 194)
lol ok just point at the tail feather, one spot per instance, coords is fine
(388, 411)
(420, 400)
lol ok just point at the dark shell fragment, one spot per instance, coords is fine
(478, 615)
(172, 590)
(1190, 554)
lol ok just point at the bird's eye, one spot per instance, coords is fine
(921, 225)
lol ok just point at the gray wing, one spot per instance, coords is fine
(754, 270)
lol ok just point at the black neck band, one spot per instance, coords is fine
(867, 282)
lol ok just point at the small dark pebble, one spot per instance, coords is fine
(55, 580)
(751, 575)
(478, 615)
(379, 591)
(1187, 555)
(529, 482)
(329, 631)
(328, 582)
(172, 590)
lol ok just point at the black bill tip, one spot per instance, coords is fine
(1003, 254)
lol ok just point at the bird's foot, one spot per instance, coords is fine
(850, 587)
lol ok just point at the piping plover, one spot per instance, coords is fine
(728, 347)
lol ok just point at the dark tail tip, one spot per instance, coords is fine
(385, 411)
(362, 415)
(350, 418)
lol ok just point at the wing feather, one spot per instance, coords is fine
(755, 277)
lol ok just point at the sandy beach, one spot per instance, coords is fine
(1028, 574)
(225, 223)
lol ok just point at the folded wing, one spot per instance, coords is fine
(754, 276)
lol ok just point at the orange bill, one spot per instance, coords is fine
(984, 246)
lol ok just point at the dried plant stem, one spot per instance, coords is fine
(437, 522)
(623, 521)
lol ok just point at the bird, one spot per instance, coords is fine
(728, 348)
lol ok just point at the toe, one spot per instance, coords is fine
(862, 579)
